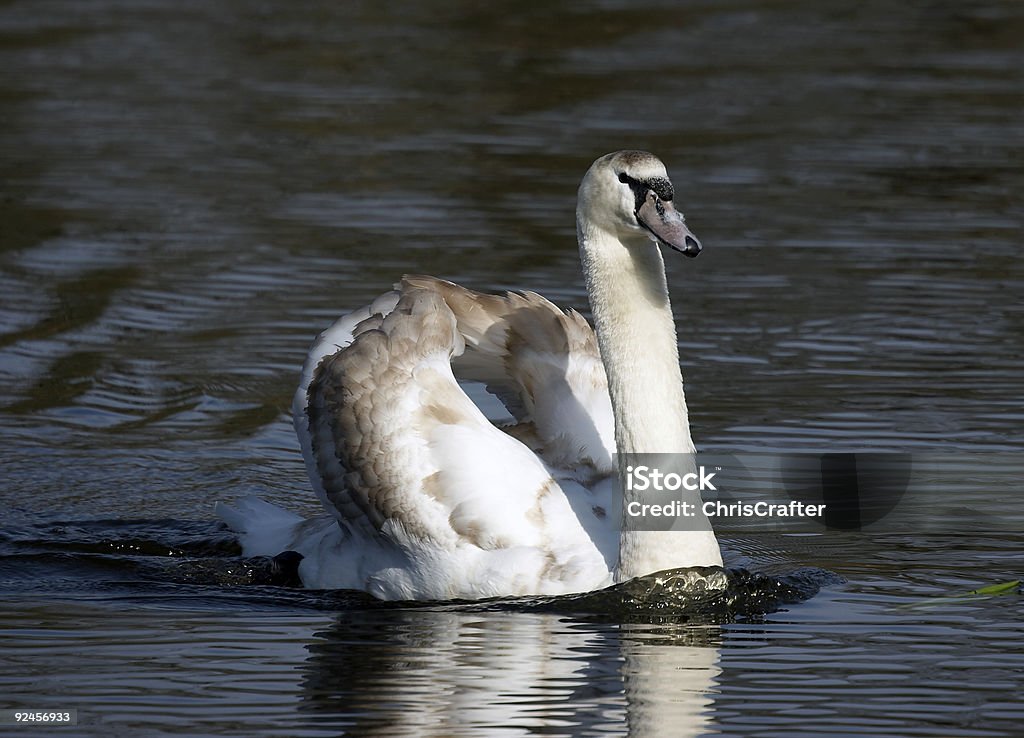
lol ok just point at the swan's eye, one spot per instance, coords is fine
(624, 178)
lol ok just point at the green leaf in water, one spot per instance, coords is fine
(990, 590)
(997, 589)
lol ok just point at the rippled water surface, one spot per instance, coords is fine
(189, 191)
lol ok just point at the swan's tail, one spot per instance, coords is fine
(263, 529)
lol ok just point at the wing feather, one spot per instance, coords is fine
(543, 363)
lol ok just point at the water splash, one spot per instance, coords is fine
(183, 560)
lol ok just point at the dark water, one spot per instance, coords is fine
(189, 191)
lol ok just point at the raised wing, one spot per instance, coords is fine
(404, 457)
(544, 364)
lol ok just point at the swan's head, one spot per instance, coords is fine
(629, 194)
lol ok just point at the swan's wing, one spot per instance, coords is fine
(543, 363)
(334, 339)
(404, 456)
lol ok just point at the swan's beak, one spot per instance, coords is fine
(667, 224)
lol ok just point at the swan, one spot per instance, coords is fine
(426, 497)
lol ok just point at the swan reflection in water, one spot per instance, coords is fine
(443, 672)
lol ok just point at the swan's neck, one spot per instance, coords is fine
(637, 338)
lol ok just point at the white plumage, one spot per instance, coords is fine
(430, 500)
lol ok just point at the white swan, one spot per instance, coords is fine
(430, 500)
